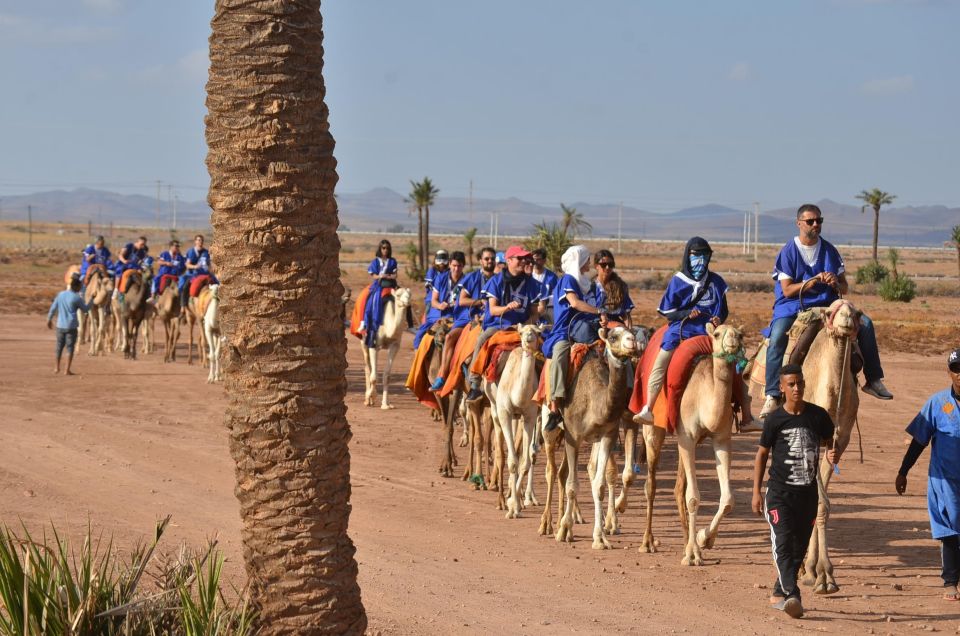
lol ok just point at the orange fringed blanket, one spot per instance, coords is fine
(418, 379)
(578, 355)
(509, 338)
(461, 353)
(356, 316)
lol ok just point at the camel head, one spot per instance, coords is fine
(727, 340)
(215, 291)
(620, 341)
(530, 338)
(104, 289)
(843, 319)
(402, 296)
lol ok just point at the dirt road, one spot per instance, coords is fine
(124, 443)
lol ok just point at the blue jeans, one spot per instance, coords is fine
(866, 338)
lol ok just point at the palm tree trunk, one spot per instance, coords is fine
(876, 231)
(272, 176)
(422, 257)
(958, 258)
(426, 232)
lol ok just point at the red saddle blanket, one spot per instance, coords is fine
(497, 353)
(166, 279)
(197, 284)
(578, 356)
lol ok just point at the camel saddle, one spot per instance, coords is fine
(579, 354)
(97, 267)
(203, 301)
(198, 283)
(498, 354)
(125, 279)
(666, 411)
(356, 316)
(165, 280)
(802, 333)
(418, 378)
(461, 356)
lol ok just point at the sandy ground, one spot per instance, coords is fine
(124, 443)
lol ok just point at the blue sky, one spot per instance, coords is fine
(662, 105)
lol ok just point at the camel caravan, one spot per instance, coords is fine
(125, 297)
(528, 361)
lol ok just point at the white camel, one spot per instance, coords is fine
(388, 337)
(211, 329)
(512, 398)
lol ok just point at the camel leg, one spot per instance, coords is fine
(369, 374)
(391, 354)
(175, 328)
(603, 454)
(721, 451)
(549, 446)
(653, 437)
(190, 320)
(529, 455)
(496, 440)
(629, 460)
(817, 567)
(687, 452)
(471, 431)
(505, 419)
(93, 328)
(485, 458)
(446, 466)
(611, 523)
(565, 525)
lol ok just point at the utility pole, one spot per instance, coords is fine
(158, 209)
(470, 202)
(30, 225)
(169, 202)
(756, 229)
(620, 228)
(176, 199)
(491, 226)
(496, 229)
(100, 219)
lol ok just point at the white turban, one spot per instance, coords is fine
(573, 261)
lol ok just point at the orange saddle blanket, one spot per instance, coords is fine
(578, 355)
(356, 316)
(418, 379)
(461, 353)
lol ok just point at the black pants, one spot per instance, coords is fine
(950, 555)
(791, 516)
(66, 338)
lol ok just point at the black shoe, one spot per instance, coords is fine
(553, 421)
(474, 394)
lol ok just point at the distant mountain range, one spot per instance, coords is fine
(382, 210)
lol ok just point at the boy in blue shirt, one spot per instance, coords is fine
(66, 305)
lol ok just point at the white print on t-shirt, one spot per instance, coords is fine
(802, 456)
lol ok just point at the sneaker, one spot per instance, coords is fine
(790, 606)
(437, 384)
(553, 421)
(771, 404)
(474, 394)
(751, 426)
(645, 416)
(877, 390)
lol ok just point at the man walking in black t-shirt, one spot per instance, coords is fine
(792, 434)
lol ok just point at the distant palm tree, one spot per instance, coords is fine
(955, 237)
(422, 196)
(875, 199)
(552, 238)
(573, 223)
(468, 237)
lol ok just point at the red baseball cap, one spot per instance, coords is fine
(515, 251)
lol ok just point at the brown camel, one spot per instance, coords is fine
(598, 396)
(167, 307)
(191, 314)
(130, 312)
(705, 412)
(97, 296)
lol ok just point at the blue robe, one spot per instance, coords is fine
(527, 293)
(445, 289)
(563, 314)
(679, 294)
(473, 283)
(598, 298)
(100, 257)
(373, 310)
(938, 423)
(790, 263)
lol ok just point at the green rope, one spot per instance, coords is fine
(478, 480)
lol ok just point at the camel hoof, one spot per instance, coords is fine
(463, 441)
(387, 407)
(703, 540)
(694, 560)
(546, 528)
(647, 548)
(808, 579)
(826, 588)
(601, 543)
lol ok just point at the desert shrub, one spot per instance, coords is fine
(872, 272)
(899, 289)
(47, 587)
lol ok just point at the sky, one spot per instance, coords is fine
(659, 104)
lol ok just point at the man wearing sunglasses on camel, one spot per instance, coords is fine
(809, 257)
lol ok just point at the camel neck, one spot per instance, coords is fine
(617, 385)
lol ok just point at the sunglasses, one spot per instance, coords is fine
(811, 222)
(605, 264)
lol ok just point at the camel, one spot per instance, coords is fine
(167, 308)
(598, 396)
(211, 328)
(513, 397)
(97, 323)
(129, 314)
(388, 337)
(705, 412)
(191, 315)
